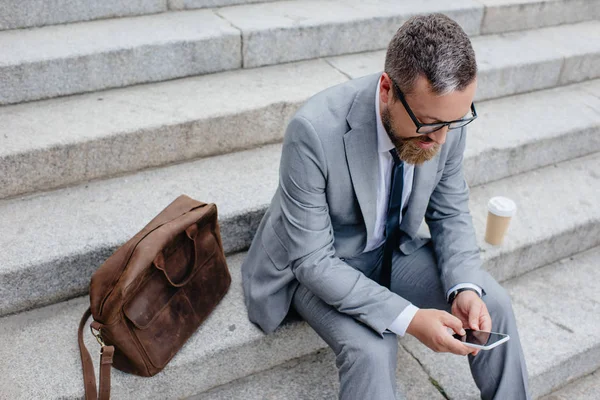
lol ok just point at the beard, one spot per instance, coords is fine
(408, 148)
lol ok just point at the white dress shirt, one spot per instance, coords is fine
(384, 145)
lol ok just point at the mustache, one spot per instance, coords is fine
(408, 148)
(422, 138)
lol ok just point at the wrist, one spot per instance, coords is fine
(410, 329)
(457, 292)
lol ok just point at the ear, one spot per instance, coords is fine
(385, 88)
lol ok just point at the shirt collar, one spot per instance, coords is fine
(384, 144)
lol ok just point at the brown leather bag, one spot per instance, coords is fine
(152, 294)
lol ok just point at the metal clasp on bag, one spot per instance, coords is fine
(98, 337)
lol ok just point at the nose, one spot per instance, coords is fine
(439, 136)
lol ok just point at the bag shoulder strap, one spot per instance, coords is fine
(106, 359)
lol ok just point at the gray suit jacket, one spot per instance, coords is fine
(324, 211)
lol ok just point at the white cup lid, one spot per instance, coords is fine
(502, 206)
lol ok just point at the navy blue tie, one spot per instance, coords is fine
(392, 227)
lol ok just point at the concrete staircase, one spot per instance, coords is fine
(82, 173)
(585, 388)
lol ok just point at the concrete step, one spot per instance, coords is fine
(326, 28)
(193, 4)
(556, 309)
(36, 13)
(32, 13)
(585, 388)
(515, 62)
(65, 59)
(500, 16)
(82, 57)
(505, 16)
(315, 377)
(51, 242)
(60, 142)
(558, 347)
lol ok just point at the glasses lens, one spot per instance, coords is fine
(459, 124)
(430, 128)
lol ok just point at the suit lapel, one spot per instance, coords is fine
(361, 152)
(363, 164)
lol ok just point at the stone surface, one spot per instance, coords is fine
(586, 388)
(228, 347)
(556, 216)
(514, 62)
(79, 227)
(58, 142)
(579, 46)
(295, 30)
(558, 328)
(191, 4)
(538, 59)
(30, 13)
(572, 287)
(60, 60)
(112, 132)
(360, 64)
(66, 59)
(513, 15)
(539, 63)
(61, 237)
(528, 131)
(315, 377)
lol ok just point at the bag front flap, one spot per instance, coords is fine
(147, 304)
(174, 267)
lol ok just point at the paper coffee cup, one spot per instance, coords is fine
(500, 211)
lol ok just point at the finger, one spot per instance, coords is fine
(474, 313)
(460, 315)
(454, 323)
(463, 319)
(454, 346)
(485, 321)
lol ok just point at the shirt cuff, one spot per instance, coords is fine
(464, 286)
(401, 323)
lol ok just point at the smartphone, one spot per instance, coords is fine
(482, 340)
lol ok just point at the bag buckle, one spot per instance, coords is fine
(98, 336)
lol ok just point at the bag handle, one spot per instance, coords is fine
(159, 261)
(106, 359)
(134, 246)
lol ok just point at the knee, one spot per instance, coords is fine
(372, 354)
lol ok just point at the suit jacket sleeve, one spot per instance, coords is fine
(304, 227)
(451, 225)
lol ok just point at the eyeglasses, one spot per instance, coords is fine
(429, 128)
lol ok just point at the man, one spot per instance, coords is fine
(362, 164)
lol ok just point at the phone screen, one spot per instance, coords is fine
(480, 338)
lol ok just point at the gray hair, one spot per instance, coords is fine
(433, 46)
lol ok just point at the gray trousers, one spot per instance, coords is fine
(367, 363)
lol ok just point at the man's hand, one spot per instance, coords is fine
(430, 326)
(472, 312)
